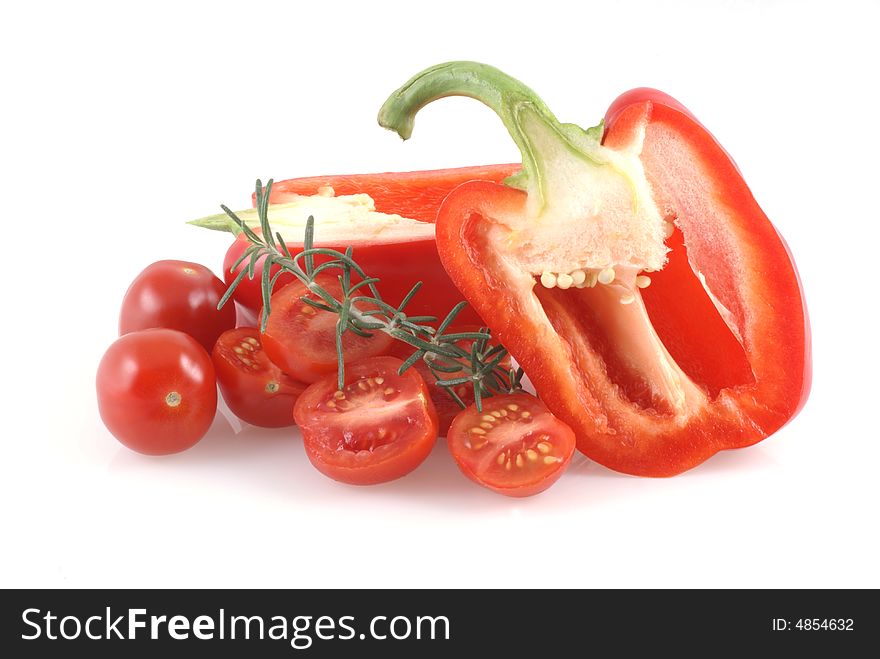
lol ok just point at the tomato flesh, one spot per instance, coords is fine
(253, 387)
(379, 427)
(301, 340)
(156, 391)
(177, 295)
(514, 446)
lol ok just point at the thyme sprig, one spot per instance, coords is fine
(361, 310)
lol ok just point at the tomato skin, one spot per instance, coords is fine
(523, 434)
(177, 295)
(134, 380)
(361, 445)
(255, 390)
(301, 340)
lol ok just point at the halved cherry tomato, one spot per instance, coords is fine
(447, 408)
(301, 340)
(379, 427)
(156, 391)
(253, 387)
(515, 446)
(177, 295)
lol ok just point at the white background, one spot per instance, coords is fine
(120, 123)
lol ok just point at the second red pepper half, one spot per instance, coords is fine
(629, 271)
(398, 258)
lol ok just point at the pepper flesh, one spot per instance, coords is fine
(713, 355)
(416, 195)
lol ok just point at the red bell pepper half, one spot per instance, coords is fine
(400, 254)
(629, 271)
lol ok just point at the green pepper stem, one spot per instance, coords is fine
(219, 222)
(510, 99)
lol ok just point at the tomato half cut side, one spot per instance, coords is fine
(515, 446)
(253, 387)
(301, 340)
(379, 427)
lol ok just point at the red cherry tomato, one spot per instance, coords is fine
(177, 295)
(301, 339)
(380, 427)
(515, 446)
(156, 391)
(253, 387)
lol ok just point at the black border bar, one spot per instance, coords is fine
(506, 623)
